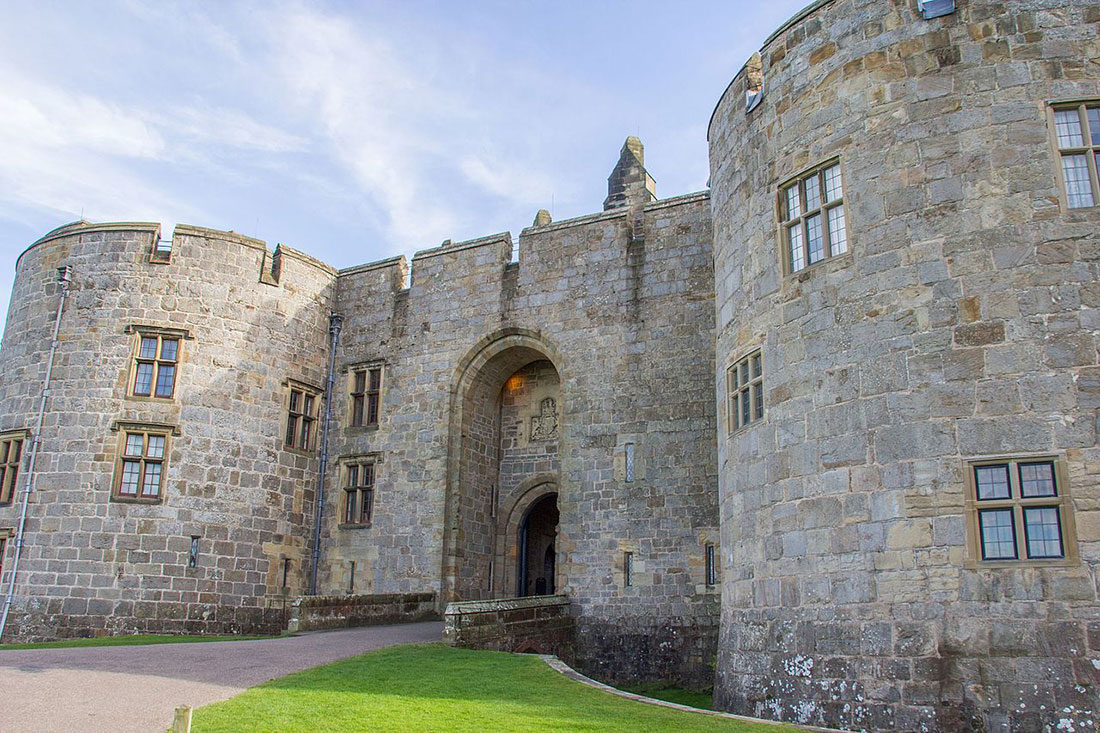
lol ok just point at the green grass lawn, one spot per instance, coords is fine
(131, 640)
(678, 695)
(432, 687)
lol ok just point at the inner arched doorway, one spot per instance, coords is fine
(536, 548)
(503, 462)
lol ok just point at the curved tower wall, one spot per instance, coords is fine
(961, 324)
(92, 562)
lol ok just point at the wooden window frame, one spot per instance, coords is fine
(823, 207)
(300, 413)
(358, 491)
(157, 361)
(753, 387)
(143, 461)
(628, 569)
(365, 403)
(1088, 149)
(11, 467)
(1017, 504)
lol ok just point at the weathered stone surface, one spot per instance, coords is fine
(966, 306)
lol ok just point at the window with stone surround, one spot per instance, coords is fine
(812, 217)
(142, 462)
(366, 395)
(11, 459)
(1075, 129)
(301, 419)
(745, 392)
(358, 476)
(1019, 510)
(156, 361)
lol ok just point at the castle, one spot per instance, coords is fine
(824, 435)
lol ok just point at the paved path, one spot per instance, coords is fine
(137, 688)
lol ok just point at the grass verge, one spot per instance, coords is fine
(432, 687)
(130, 640)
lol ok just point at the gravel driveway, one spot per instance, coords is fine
(137, 688)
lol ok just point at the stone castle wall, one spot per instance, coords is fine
(621, 306)
(962, 323)
(93, 563)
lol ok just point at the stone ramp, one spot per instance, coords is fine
(137, 688)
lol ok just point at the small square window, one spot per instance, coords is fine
(366, 396)
(11, 459)
(359, 480)
(139, 473)
(814, 226)
(301, 417)
(155, 366)
(1075, 131)
(1020, 511)
(745, 392)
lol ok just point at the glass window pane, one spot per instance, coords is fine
(291, 430)
(168, 349)
(629, 461)
(151, 485)
(1067, 123)
(375, 379)
(758, 401)
(166, 380)
(353, 475)
(794, 237)
(368, 474)
(1044, 535)
(813, 193)
(156, 446)
(307, 430)
(307, 408)
(833, 187)
(295, 400)
(16, 451)
(143, 379)
(1094, 124)
(349, 511)
(5, 448)
(134, 444)
(367, 502)
(148, 348)
(360, 381)
(816, 238)
(992, 482)
(1078, 187)
(357, 410)
(372, 409)
(756, 368)
(998, 538)
(838, 235)
(1037, 479)
(130, 472)
(745, 408)
(794, 204)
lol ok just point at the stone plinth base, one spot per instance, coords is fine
(309, 613)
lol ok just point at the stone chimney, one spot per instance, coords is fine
(629, 184)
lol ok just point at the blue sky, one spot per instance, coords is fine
(352, 130)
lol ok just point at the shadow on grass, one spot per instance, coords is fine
(435, 687)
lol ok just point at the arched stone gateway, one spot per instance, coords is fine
(503, 466)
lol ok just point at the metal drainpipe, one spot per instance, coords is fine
(335, 323)
(28, 482)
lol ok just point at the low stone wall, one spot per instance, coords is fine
(309, 613)
(538, 624)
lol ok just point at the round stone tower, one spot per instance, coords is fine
(906, 262)
(167, 496)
